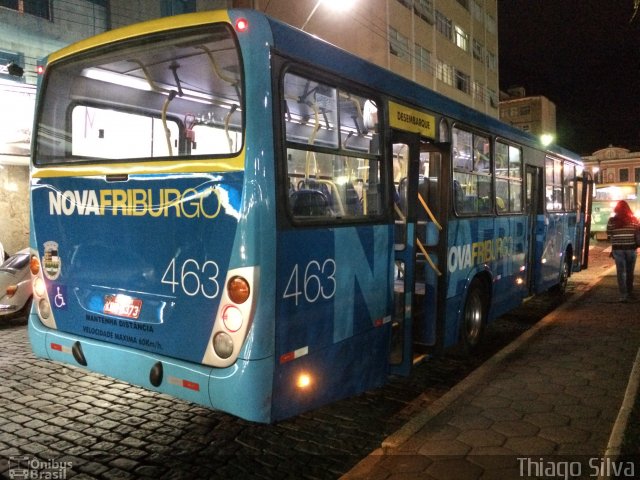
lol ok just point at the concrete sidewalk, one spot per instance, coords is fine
(555, 400)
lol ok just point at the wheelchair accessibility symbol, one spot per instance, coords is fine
(60, 298)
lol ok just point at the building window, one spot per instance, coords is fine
(423, 59)
(478, 92)
(478, 12)
(462, 81)
(462, 38)
(424, 9)
(493, 98)
(478, 50)
(492, 62)
(444, 72)
(405, 3)
(444, 25)
(526, 110)
(6, 59)
(176, 7)
(636, 173)
(491, 23)
(38, 8)
(624, 174)
(464, 3)
(399, 45)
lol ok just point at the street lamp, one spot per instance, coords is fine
(546, 139)
(334, 4)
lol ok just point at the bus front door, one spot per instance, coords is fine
(418, 247)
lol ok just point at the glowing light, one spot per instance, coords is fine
(339, 4)
(304, 380)
(546, 139)
(334, 4)
(242, 24)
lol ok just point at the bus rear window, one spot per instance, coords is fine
(155, 97)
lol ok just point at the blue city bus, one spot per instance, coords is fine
(230, 211)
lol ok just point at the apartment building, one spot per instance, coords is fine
(533, 114)
(450, 46)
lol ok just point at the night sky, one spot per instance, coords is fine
(584, 55)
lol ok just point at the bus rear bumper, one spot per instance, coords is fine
(243, 389)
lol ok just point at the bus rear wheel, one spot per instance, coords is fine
(473, 317)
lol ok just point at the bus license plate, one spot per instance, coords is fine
(122, 306)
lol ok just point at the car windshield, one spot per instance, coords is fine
(17, 262)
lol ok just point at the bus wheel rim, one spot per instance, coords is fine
(473, 318)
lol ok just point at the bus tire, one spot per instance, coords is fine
(474, 317)
(565, 273)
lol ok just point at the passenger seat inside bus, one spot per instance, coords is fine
(309, 203)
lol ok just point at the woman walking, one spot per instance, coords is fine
(621, 230)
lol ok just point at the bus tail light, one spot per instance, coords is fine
(232, 318)
(34, 265)
(39, 288)
(44, 309)
(238, 289)
(223, 345)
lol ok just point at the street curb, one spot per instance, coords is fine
(614, 446)
(415, 424)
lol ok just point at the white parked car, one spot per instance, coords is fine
(15, 286)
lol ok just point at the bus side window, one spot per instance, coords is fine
(458, 196)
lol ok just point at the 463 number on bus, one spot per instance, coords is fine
(312, 282)
(193, 278)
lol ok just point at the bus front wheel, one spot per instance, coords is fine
(473, 317)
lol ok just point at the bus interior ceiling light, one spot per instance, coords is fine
(116, 78)
(142, 84)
